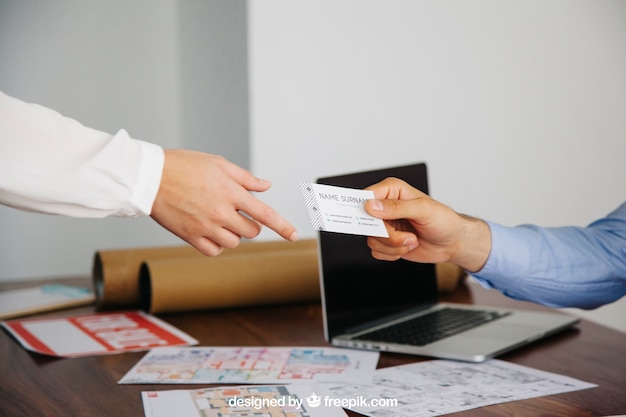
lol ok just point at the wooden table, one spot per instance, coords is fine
(34, 386)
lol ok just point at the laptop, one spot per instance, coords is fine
(369, 304)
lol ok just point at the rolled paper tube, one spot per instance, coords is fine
(243, 279)
(116, 272)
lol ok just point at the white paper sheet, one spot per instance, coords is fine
(433, 388)
(251, 365)
(24, 301)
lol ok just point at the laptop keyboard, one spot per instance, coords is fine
(429, 328)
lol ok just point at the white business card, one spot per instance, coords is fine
(341, 210)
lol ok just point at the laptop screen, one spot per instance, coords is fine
(358, 289)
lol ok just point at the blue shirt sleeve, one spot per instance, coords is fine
(570, 266)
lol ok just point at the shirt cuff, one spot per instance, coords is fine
(508, 260)
(149, 179)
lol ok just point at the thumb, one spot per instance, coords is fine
(391, 209)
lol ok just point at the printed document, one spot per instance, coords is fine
(95, 334)
(24, 301)
(251, 365)
(264, 400)
(438, 387)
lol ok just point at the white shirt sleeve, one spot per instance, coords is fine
(53, 164)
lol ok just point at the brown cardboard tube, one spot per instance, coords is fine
(116, 272)
(242, 279)
(272, 272)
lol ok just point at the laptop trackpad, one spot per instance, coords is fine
(506, 331)
(485, 341)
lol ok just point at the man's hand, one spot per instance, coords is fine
(205, 200)
(424, 230)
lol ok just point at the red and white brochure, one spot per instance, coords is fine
(96, 334)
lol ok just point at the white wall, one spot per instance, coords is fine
(518, 108)
(153, 67)
(214, 77)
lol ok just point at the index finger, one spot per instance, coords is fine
(269, 217)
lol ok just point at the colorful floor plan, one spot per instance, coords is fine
(250, 365)
(238, 401)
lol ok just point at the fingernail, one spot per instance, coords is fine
(411, 243)
(376, 205)
(293, 237)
